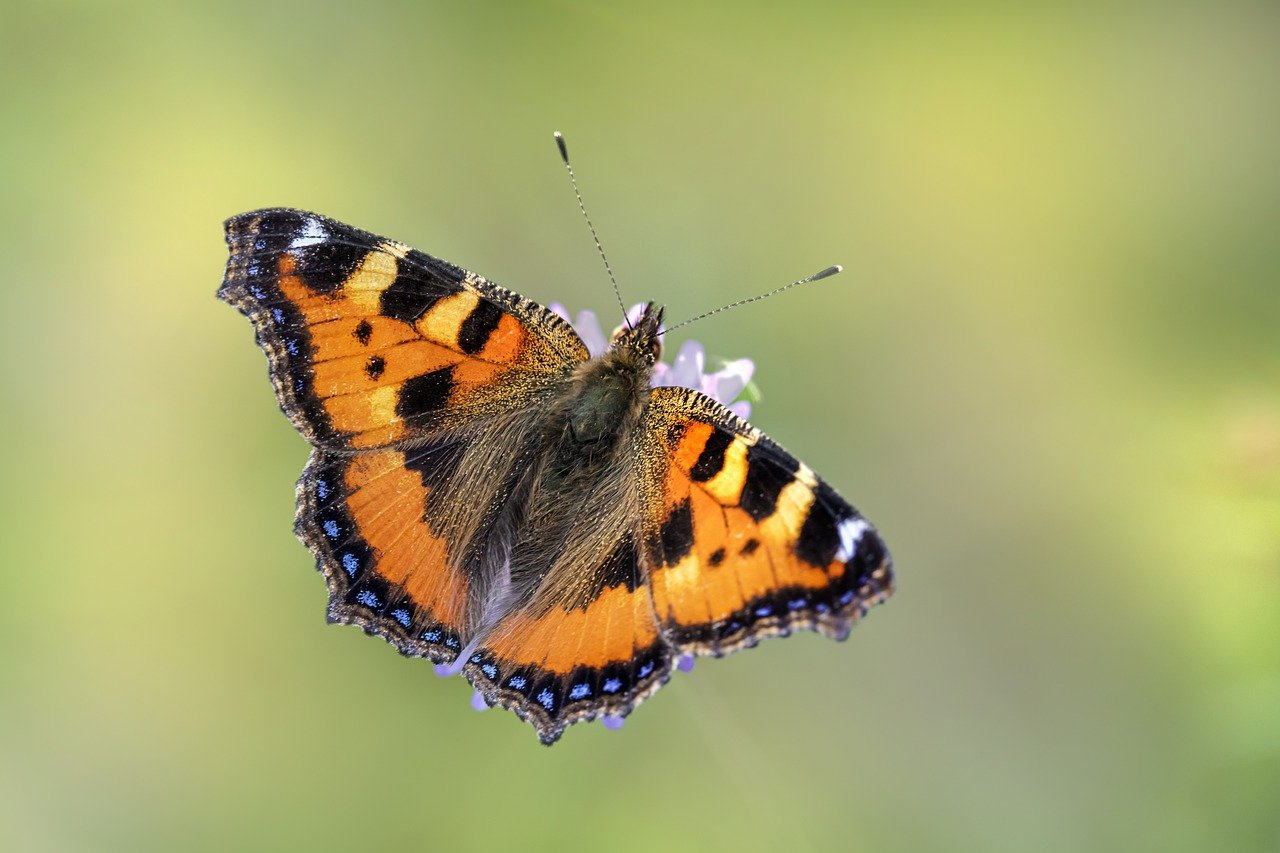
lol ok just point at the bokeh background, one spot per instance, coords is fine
(1050, 374)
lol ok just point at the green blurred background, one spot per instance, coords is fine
(1050, 374)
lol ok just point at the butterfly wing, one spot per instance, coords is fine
(597, 651)
(364, 517)
(743, 541)
(402, 370)
(372, 343)
(577, 636)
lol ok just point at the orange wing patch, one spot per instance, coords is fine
(612, 629)
(386, 500)
(745, 541)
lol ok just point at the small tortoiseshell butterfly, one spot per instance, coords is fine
(484, 493)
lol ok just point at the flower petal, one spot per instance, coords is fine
(687, 368)
(733, 378)
(588, 328)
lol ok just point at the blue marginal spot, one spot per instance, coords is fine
(291, 345)
(256, 291)
(645, 670)
(579, 691)
(351, 565)
(796, 603)
(489, 670)
(368, 598)
(546, 699)
(330, 528)
(822, 607)
(402, 616)
(764, 610)
(432, 636)
(322, 489)
(613, 685)
(517, 681)
(451, 642)
(260, 245)
(476, 658)
(846, 598)
(277, 315)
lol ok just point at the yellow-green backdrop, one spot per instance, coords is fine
(1050, 374)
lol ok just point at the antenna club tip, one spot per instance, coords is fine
(564, 149)
(827, 273)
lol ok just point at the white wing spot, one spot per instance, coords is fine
(313, 232)
(850, 530)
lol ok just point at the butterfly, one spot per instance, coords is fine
(484, 493)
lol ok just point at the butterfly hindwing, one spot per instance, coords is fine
(743, 540)
(576, 635)
(562, 662)
(372, 343)
(365, 518)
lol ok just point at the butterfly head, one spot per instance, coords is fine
(643, 336)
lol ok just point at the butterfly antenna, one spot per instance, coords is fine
(818, 276)
(564, 155)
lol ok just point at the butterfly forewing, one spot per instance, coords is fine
(743, 540)
(372, 343)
